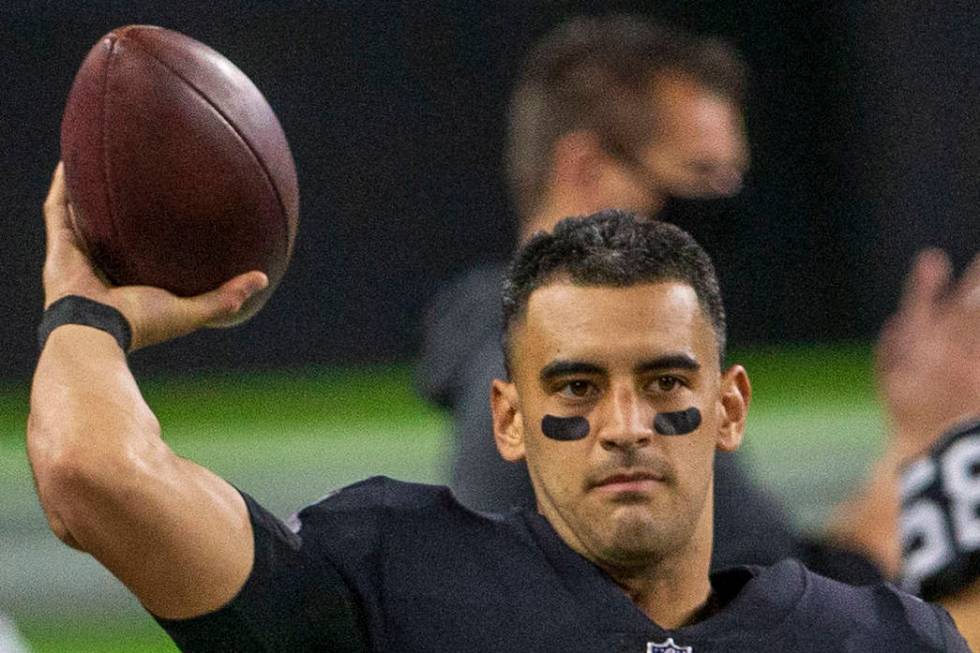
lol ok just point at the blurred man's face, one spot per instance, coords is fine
(621, 493)
(698, 148)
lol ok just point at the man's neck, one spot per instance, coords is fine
(671, 587)
(543, 220)
(559, 207)
(671, 595)
(559, 203)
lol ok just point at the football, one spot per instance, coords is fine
(178, 171)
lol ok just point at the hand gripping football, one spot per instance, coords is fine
(179, 173)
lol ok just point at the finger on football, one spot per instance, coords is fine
(57, 194)
(59, 219)
(226, 300)
(56, 218)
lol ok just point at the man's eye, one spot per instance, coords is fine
(576, 389)
(667, 383)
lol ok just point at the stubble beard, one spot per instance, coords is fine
(636, 541)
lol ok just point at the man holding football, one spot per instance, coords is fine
(617, 399)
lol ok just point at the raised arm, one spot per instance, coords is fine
(928, 369)
(176, 534)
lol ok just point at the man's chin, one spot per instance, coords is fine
(633, 537)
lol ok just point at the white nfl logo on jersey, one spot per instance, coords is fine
(667, 647)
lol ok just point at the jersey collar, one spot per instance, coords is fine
(759, 598)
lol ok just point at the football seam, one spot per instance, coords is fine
(106, 158)
(237, 132)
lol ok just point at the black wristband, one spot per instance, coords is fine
(75, 309)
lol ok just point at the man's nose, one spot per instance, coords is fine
(627, 422)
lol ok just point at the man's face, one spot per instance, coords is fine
(698, 149)
(623, 495)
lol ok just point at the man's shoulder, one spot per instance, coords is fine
(381, 497)
(461, 322)
(383, 528)
(477, 281)
(476, 289)
(880, 612)
(379, 492)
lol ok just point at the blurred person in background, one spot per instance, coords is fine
(624, 112)
(618, 112)
(607, 112)
(920, 514)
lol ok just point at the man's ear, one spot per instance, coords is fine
(576, 157)
(736, 394)
(508, 423)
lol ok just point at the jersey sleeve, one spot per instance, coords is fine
(932, 626)
(292, 601)
(952, 639)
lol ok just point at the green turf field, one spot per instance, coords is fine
(290, 438)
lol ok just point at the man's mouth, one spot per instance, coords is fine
(629, 482)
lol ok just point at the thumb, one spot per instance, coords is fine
(926, 283)
(221, 306)
(967, 292)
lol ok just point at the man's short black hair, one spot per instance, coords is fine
(611, 248)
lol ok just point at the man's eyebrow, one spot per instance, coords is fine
(559, 368)
(668, 362)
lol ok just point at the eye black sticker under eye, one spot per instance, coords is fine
(565, 428)
(680, 422)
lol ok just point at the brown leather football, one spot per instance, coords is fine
(178, 171)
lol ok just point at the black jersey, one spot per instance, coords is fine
(398, 567)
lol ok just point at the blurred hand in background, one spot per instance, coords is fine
(928, 357)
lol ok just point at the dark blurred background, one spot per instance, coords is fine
(862, 118)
